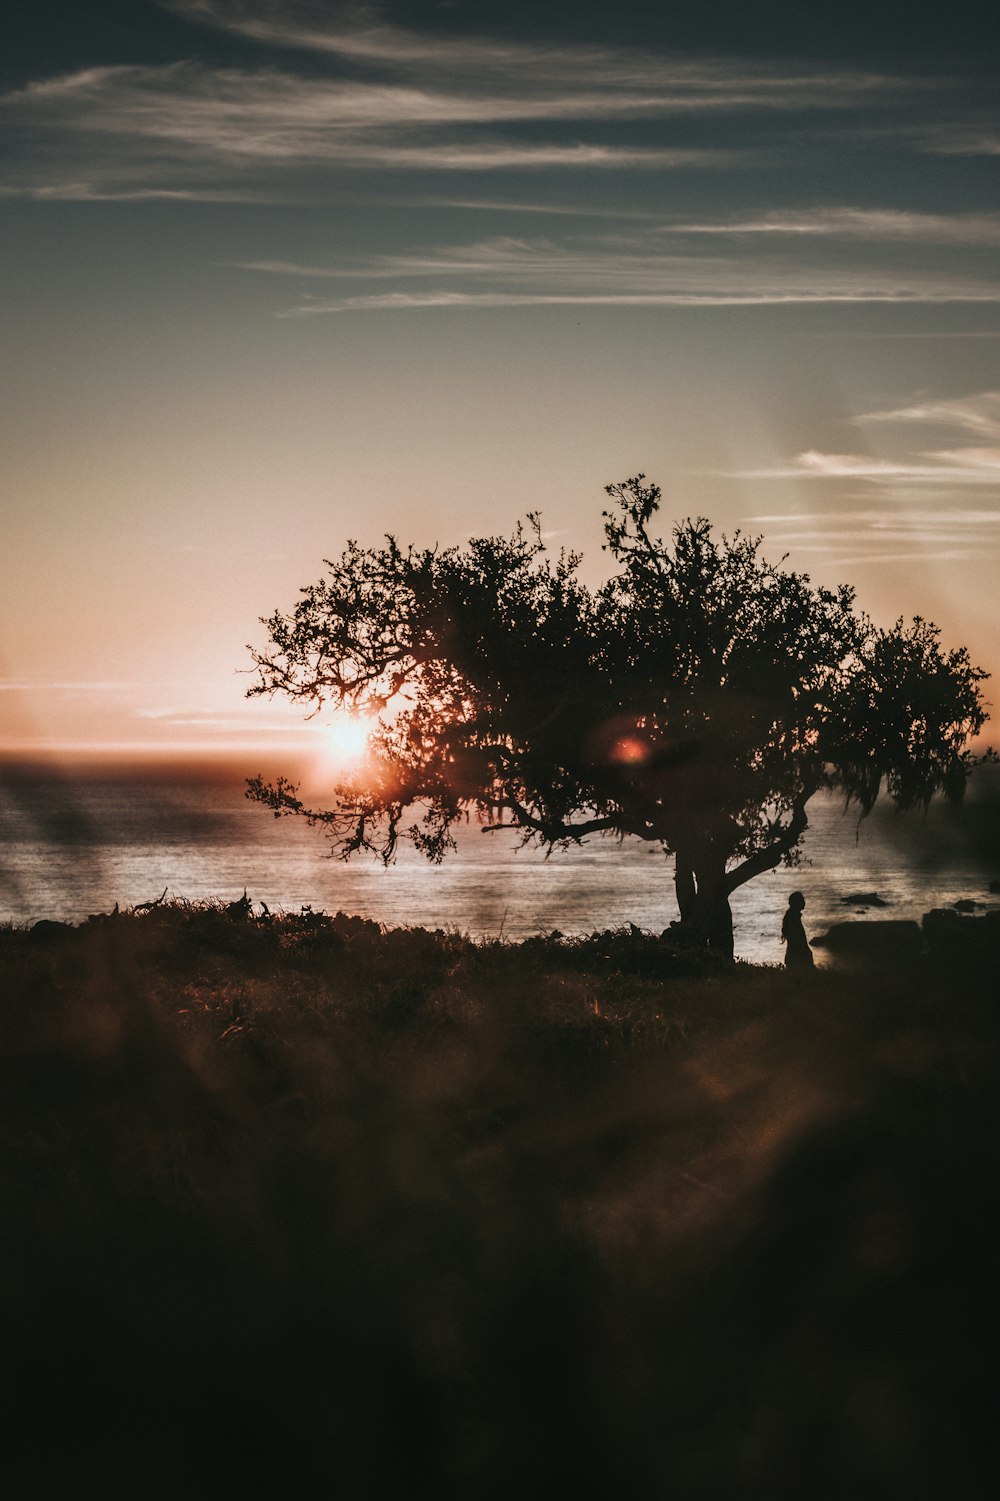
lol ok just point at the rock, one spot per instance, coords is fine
(864, 899)
(957, 933)
(941, 924)
(874, 943)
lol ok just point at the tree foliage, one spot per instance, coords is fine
(697, 699)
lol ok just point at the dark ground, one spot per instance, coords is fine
(303, 1208)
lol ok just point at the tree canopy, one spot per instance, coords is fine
(698, 699)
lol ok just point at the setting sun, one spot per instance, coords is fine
(347, 737)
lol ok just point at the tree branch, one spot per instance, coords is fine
(771, 857)
(554, 832)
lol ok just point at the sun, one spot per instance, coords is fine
(347, 737)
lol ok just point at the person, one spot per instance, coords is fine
(798, 954)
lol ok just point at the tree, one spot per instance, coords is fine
(698, 699)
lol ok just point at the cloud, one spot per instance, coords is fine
(963, 142)
(210, 719)
(839, 559)
(917, 515)
(944, 516)
(203, 721)
(834, 222)
(589, 210)
(345, 101)
(986, 459)
(979, 414)
(625, 268)
(966, 466)
(868, 536)
(189, 130)
(857, 224)
(368, 95)
(615, 79)
(88, 192)
(399, 301)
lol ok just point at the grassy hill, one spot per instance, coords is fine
(303, 1207)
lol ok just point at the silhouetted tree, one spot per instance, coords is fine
(698, 699)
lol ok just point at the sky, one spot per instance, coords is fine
(276, 275)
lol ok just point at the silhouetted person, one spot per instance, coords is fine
(798, 954)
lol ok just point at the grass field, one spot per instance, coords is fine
(303, 1207)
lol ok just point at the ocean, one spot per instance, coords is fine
(75, 845)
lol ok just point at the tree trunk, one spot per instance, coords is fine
(703, 902)
(684, 885)
(720, 932)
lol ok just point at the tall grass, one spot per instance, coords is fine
(304, 1207)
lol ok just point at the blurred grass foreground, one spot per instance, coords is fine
(301, 1206)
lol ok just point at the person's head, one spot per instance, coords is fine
(796, 901)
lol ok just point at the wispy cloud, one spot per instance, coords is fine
(978, 413)
(541, 207)
(914, 510)
(618, 79)
(633, 268)
(203, 721)
(962, 466)
(924, 519)
(833, 222)
(875, 557)
(371, 95)
(963, 142)
(399, 301)
(986, 460)
(856, 224)
(189, 130)
(88, 192)
(868, 536)
(355, 100)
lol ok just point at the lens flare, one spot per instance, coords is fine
(629, 750)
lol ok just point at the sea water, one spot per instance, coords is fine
(73, 846)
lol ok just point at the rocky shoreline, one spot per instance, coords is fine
(964, 928)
